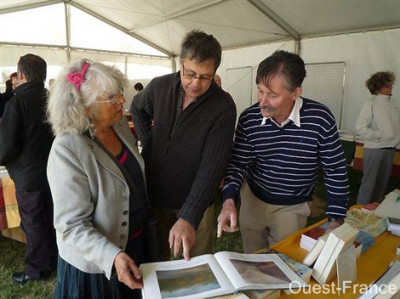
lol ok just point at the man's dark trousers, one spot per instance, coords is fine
(36, 211)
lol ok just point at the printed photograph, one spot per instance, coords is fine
(186, 282)
(260, 272)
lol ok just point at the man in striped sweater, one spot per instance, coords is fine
(280, 143)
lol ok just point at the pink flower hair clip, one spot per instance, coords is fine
(78, 78)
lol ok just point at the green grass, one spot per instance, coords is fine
(12, 252)
(12, 260)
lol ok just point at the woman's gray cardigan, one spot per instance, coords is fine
(91, 200)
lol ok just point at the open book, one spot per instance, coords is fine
(300, 269)
(367, 221)
(213, 275)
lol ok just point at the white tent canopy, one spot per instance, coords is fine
(341, 41)
(161, 24)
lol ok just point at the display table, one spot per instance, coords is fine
(9, 214)
(358, 159)
(370, 265)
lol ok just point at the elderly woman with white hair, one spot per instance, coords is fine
(96, 176)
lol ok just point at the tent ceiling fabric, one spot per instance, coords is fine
(235, 23)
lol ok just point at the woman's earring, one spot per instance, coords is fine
(92, 128)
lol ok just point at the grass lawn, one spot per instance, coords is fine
(12, 252)
(12, 260)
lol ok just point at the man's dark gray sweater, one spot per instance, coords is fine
(184, 170)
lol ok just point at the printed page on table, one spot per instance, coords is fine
(367, 221)
(258, 271)
(200, 277)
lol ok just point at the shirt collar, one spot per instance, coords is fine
(383, 96)
(294, 115)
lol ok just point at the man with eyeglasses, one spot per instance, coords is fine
(188, 147)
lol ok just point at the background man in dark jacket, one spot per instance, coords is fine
(6, 96)
(25, 142)
(188, 147)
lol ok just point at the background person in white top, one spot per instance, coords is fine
(217, 80)
(379, 126)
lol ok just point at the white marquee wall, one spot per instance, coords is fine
(247, 57)
(363, 54)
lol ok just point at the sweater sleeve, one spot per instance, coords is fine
(240, 158)
(142, 109)
(10, 133)
(365, 126)
(334, 165)
(214, 159)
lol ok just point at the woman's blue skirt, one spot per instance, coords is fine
(73, 283)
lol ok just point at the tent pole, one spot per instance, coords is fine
(68, 31)
(268, 12)
(120, 28)
(297, 46)
(126, 66)
(173, 64)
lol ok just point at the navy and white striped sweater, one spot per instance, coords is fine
(281, 163)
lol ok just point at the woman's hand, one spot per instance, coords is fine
(127, 271)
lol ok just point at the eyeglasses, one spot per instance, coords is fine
(192, 76)
(112, 99)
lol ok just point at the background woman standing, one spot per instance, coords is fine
(379, 126)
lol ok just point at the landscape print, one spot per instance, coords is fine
(260, 272)
(186, 282)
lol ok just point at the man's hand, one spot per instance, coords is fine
(182, 233)
(332, 225)
(127, 271)
(227, 215)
